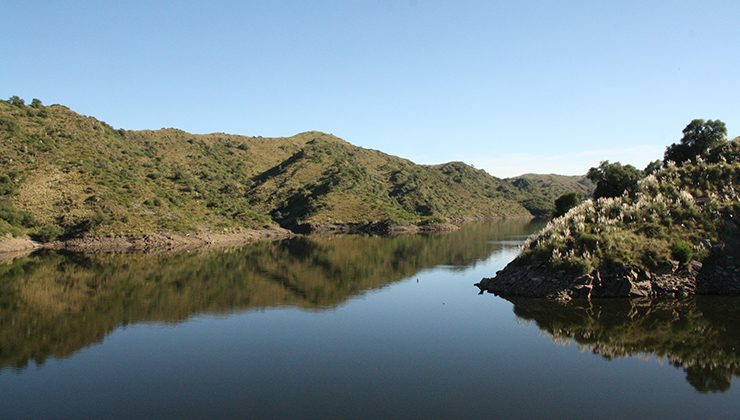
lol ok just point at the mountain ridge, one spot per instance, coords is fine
(65, 176)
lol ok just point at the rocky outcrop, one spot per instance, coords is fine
(537, 279)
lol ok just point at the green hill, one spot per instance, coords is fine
(67, 175)
(677, 235)
(545, 188)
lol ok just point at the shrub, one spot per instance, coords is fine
(566, 202)
(538, 206)
(6, 229)
(651, 230)
(6, 185)
(14, 216)
(682, 251)
(47, 233)
(590, 241)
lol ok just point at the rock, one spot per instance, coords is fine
(673, 280)
(641, 289)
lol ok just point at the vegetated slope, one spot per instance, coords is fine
(330, 182)
(66, 175)
(544, 189)
(678, 235)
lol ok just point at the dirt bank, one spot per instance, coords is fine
(147, 243)
(13, 245)
(167, 242)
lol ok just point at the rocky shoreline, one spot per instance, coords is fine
(720, 276)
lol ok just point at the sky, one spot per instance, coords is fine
(510, 87)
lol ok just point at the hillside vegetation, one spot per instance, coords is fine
(676, 234)
(544, 189)
(64, 175)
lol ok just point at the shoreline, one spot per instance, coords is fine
(158, 242)
(715, 276)
(146, 243)
(179, 242)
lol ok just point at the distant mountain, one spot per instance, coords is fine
(67, 175)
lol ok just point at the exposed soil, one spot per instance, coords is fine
(146, 243)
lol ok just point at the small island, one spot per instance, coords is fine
(674, 232)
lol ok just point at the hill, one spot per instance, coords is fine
(64, 175)
(545, 188)
(677, 235)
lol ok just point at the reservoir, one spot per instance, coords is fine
(347, 326)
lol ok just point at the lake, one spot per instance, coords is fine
(347, 326)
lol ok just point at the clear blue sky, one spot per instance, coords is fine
(510, 87)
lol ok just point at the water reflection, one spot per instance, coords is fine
(53, 304)
(700, 335)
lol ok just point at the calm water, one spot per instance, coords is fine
(347, 327)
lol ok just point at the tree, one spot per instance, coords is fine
(613, 179)
(566, 202)
(16, 100)
(36, 103)
(698, 137)
(653, 166)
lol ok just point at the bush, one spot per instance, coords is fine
(566, 202)
(14, 216)
(651, 230)
(47, 233)
(538, 206)
(6, 185)
(589, 241)
(6, 229)
(682, 251)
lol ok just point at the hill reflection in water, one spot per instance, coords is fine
(54, 304)
(699, 335)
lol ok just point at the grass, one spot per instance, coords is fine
(680, 213)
